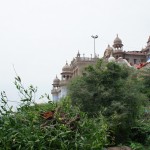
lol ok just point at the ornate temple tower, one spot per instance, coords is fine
(55, 89)
(118, 48)
(117, 43)
(66, 75)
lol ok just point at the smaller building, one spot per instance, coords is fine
(75, 68)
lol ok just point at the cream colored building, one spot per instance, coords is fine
(69, 71)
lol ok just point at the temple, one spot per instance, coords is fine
(116, 53)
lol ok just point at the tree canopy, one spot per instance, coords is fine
(112, 89)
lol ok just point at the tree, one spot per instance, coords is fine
(145, 75)
(112, 89)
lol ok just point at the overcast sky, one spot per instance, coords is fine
(38, 36)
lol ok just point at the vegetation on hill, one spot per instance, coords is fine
(121, 94)
(52, 126)
(109, 105)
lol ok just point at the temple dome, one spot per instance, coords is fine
(111, 58)
(66, 68)
(117, 40)
(56, 81)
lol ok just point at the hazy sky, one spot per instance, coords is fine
(38, 36)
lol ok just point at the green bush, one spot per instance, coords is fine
(27, 129)
(112, 89)
(108, 106)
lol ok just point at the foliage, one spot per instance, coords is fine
(141, 130)
(26, 129)
(137, 146)
(113, 89)
(145, 75)
(111, 104)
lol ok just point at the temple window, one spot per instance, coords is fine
(67, 77)
(135, 61)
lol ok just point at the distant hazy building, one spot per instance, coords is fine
(114, 53)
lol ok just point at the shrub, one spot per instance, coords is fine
(112, 89)
(27, 128)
